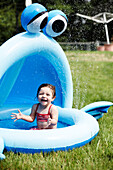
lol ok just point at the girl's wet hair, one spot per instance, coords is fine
(47, 85)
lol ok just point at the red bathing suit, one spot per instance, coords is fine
(41, 117)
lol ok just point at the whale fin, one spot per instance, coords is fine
(2, 156)
(97, 109)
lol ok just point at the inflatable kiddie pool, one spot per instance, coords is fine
(28, 60)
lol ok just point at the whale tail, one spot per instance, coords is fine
(97, 109)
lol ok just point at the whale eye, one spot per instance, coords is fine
(34, 18)
(38, 22)
(57, 24)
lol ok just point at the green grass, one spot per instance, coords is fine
(92, 74)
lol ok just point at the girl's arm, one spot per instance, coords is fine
(29, 118)
(54, 116)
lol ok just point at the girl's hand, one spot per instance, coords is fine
(16, 116)
(49, 121)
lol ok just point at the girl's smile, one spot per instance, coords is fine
(45, 96)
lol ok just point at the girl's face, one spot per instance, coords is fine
(45, 96)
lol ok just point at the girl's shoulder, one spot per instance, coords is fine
(35, 106)
(53, 108)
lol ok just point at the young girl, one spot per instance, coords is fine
(46, 113)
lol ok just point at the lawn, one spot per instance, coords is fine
(92, 74)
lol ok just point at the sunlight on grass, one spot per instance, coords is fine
(92, 77)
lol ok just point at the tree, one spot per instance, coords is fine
(9, 16)
(78, 29)
(7, 24)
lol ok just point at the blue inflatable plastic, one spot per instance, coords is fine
(26, 61)
(75, 129)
